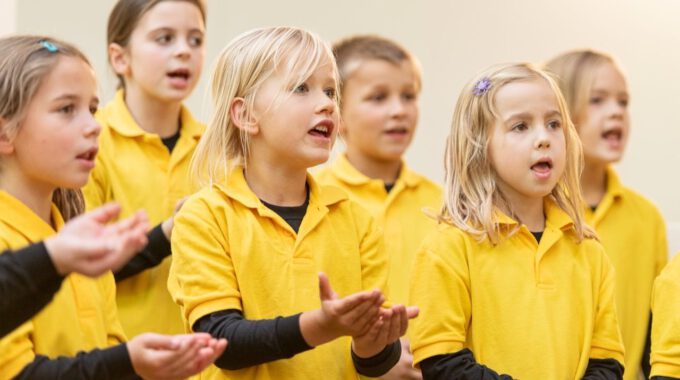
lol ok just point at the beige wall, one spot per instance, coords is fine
(454, 39)
(7, 17)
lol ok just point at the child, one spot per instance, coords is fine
(148, 137)
(513, 281)
(379, 113)
(247, 249)
(630, 227)
(665, 356)
(86, 245)
(48, 142)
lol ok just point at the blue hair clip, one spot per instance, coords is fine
(482, 86)
(52, 48)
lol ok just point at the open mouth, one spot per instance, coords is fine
(542, 166)
(180, 74)
(614, 135)
(89, 155)
(322, 129)
(397, 131)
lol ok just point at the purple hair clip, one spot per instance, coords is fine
(482, 86)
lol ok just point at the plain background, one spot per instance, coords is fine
(453, 40)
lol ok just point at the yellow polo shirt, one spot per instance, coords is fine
(399, 213)
(82, 315)
(633, 234)
(135, 169)
(665, 357)
(532, 311)
(232, 252)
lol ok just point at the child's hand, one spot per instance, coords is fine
(391, 325)
(404, 370)
(169, 223)
(155, 356)
(349, 316)
(90, 246)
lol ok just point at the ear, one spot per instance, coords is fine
(119, 60)
(6, 145)
(241, 118)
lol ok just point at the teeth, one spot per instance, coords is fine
(322, 128)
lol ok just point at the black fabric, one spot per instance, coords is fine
(380, 363)
(171, 141)
(645, 364)
(28, 281)
(293, 215)
(110, 363)
(253, 342)
(603, 369)
(460, 365)
(537, 235)
(593, 208)
(389, 187)
(152, 255)
(664, 378)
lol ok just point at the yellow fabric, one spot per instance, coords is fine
(633, 234)
(232, 252)
(399, 213)
(665, 357)
(82, 315)
(532, 311)
(135, 169)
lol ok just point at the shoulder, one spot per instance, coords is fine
(641, 205)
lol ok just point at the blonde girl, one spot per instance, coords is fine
(513, 283)
(248, 248)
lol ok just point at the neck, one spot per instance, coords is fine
(530, 213)
(151, 114)
(594, 183)
(36, 196)
(387, 171)
(275, 184)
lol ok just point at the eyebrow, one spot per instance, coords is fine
(602, 91)
(72, 97)
(527, 115)
(169, 29)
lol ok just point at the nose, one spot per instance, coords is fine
(542, 138)
(326, 104)
(616, 109)
(183, 49)
(397, 107)
(92, 127)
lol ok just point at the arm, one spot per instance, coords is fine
(459, 365)
(149, 257)
(22, 293)
(603, 369)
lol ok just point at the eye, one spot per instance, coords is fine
(623, 103)
(555, 124)
(196, 41)
(301, 89)
(519, 127)
(164, 39)
(379, 97)
(409, 96)
(67, 109)
(93, 109)
(330, 92)
(596, 100)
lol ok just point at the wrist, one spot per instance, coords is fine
(166, 227)
(55, 251)
(364, 349)
(315, 330)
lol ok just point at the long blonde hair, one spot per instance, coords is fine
(24, 63)
(239, 72)
(575, 71)
(471, 191)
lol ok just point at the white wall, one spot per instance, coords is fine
(8, 17)
(454, 39)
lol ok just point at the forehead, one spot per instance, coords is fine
(70, 75)
(380, 71)
(608, 76)
(530, 95)
(175, 14)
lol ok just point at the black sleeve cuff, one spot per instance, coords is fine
(603, 369)
(290, 335)
(379, 364)
(119, 362)
(35, 259)
(664, 378)
(152, 255)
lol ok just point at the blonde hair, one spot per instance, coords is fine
(471, 191)
(239, 72)
(351, 52)
(575, 71)
(25, 62)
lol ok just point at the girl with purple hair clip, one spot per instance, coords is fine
(513, 283)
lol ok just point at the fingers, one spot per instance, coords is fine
(325, 291)
(105, 213)
(160, 342)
